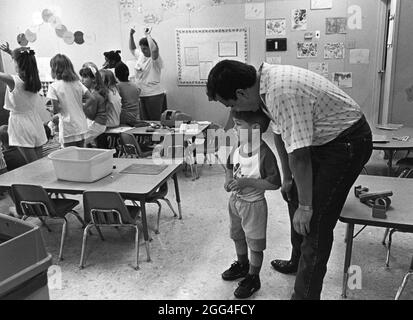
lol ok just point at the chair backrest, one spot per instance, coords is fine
(102, 207)
(130, 145)
(32, 200)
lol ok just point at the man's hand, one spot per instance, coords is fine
(132, 31)
(286, 188)
(5, 47)
(301, 221)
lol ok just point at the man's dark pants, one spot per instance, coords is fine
(336, 166)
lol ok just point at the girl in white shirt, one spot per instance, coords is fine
(66, 94)
(25, 129)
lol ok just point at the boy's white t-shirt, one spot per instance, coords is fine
(25, 126)
(72, 119)
(148, 74)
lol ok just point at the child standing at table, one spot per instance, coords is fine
(251, 170)
(25, 127)
(114, 104)
(129, 93)
(66, 94)
(96, 114)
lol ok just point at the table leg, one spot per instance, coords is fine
(390, 163)
(177, 195)
(347, 259)
(145, 228)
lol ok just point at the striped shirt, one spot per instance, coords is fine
(307, 109)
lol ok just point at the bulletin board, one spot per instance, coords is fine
(200, 49)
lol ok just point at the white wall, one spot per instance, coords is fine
(102, 18)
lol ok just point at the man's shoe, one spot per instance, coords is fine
(285, 266)
(248, 286)
(236, 271)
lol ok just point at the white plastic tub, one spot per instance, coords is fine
(81, 164)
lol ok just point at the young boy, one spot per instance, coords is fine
(252, 169)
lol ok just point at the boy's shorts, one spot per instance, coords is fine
(248, 221)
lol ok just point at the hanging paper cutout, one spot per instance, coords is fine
(69, 37)
(55, 21)
(79, 39)
(47, 14)
(60, 30)
(30, 36)
(21, 40)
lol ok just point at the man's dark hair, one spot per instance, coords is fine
(122, 72)
(253, 117)
(228, 76)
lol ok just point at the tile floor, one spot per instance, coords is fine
(189, 255)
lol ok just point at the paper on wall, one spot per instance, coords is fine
(274, 60)
(255, 11)
(359, 56)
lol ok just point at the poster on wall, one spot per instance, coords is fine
(359, 56)
(336, 25)
(321, 4)
(306, 50)
(275, 27)
(299, 19)
(191, 56)
(334, 50)
(273, 60)
(255, 11)
(199, 49)
(228, 49)
(343, 79)
(319, 67)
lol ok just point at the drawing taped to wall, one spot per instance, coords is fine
(359, 56)
(275, 27)
(299, 19)
(273, 60)
(319, 67)
(321, 4)
(192, 56)
(306, 50)
(204, 68)
(334, 50)
(336, 25)
(228, 49)
(343, 79)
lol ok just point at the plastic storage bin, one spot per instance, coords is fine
(81, 164)
(23, 261)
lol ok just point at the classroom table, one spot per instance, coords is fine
(391, 146)
(399, 216)
(42, 173)
(178, 137)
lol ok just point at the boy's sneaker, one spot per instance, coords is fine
(248, 286)
(236, 271)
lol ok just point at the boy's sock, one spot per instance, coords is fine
(256, 262)
(241, 249)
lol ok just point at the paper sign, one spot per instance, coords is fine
(359, 56)
(255, 11)
(274, 60)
